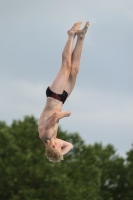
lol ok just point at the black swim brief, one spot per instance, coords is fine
(61, 97)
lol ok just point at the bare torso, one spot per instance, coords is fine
(52, 106)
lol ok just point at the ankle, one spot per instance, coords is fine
(71, 33)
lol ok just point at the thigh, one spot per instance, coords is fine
(60, 81)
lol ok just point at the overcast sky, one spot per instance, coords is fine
(32, 37)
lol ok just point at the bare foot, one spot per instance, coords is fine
(74, 29)
(81, 33)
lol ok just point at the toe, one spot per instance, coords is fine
(87, 24)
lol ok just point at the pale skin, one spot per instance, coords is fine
(64, 80)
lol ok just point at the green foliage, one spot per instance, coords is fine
(88, 172)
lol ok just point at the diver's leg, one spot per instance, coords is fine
(62, 76)
(76, 55)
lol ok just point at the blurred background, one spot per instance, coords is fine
(32, 37)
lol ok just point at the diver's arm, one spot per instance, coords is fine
(66, 147)
(55, 117)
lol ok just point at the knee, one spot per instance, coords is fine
(66, 65)
(66, 59)
(74, 70)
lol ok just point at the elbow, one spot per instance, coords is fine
(41, 136)
(44, 138)
(40, 132)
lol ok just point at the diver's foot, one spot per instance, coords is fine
(81, 33)
(74, 29)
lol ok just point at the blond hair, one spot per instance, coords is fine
(53, 154)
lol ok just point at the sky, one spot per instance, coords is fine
(32, 37)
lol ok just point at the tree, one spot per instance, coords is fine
(88, 172)
(129, 175)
